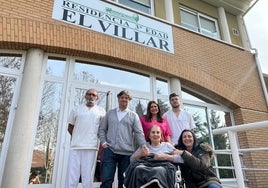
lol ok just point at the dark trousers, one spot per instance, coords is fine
(108, 167)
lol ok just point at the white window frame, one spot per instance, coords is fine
(199, 28)
(140, 2)
(143, 2)
(18, 75)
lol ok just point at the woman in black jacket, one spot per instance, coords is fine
(196, 169)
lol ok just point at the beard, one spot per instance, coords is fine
(175, 106)
(90, 102)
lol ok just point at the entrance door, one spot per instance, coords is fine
(53, 151)
(107, 100)
(76, 98)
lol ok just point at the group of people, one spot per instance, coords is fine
(126, 138)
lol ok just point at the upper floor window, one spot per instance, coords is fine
(141, 5)
(200, 23)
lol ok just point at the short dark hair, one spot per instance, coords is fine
(173, 95)
(124, 92)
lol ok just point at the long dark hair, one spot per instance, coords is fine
(148, 116)
(181, 145)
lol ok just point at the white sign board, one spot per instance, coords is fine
(114, 21)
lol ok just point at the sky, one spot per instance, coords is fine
(257, 27)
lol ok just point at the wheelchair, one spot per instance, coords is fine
(179, 182)
(147, 173)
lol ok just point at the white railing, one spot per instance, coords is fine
(235, 151)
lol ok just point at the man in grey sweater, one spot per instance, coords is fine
(118, 133)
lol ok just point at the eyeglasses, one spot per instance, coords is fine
(91, 94)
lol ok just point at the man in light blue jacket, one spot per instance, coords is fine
(118, 133)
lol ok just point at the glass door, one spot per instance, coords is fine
(107, 100)
(11, 67)
(76, 98)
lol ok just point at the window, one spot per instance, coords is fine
(199, 23)
(108, 76)
(11, 67)
(46, 138)
(141, 5)
(161, 86)
(55, 67)
(10, 61)
(10, 70)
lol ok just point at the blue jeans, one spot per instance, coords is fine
(108, 167)
(213, 185)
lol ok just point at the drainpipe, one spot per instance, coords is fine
(260, 74)
(256, 56)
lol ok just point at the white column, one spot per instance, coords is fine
(18, 154)
(175, 86)
(224, 25)
(169, 11)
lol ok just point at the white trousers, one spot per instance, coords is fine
(81, 162)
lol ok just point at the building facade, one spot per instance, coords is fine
(52, 51)
(266, 80)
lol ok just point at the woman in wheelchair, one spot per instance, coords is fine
(196, 170)
(153, 165)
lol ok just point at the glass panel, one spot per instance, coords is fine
(161, 87)
(10, 61)
(164, 105)
(46, 134)
(55, 67)
(208, 27)
(138, 6)
(200, 118)
(226, 166)
(219, 119)
(7, 85)
(138, 105)
(80, 97)
(190, 97)
(189, 20)
(112, 77)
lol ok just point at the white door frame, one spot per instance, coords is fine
(63, 159)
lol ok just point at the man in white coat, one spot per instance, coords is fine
(83, 124)
(178, 119)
